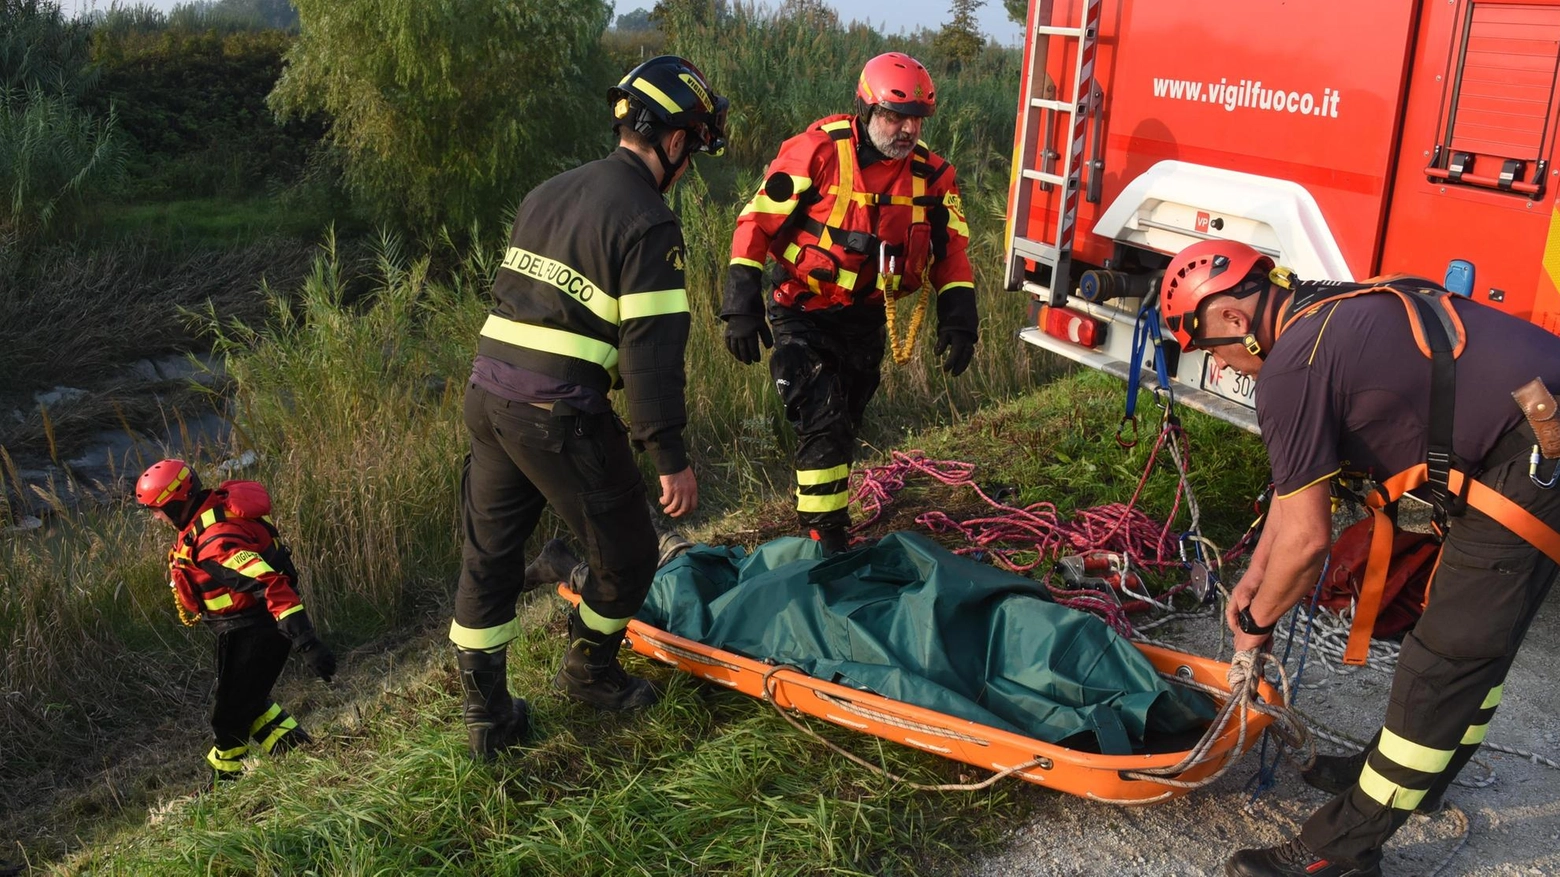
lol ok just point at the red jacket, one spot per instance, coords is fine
(228, 566)
(824, 219)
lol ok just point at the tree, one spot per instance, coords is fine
(1017, 10)
(815, 13)
(448, 110)
(960, 41)
(637, 21)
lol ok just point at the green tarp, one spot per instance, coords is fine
(911, 621)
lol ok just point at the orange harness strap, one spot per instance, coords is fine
(1480, 496)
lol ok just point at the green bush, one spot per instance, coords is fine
(192, 103)
(449, 110)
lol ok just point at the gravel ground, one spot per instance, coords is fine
(1512, 826)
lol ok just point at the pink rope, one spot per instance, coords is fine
(1022, 538)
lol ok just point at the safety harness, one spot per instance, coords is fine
(188, 596)
(829, 265)
(1439, 334)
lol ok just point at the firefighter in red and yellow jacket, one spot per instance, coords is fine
(229, 569)
(851, 208)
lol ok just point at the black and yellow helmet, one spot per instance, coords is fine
(669, 92)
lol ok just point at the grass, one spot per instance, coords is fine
(212, 222)
(709, 782)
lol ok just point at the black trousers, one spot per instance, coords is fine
(522, 459)
(826, 371)
(1449, 681)
(249, 659)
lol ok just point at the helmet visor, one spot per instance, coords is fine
(711, 133)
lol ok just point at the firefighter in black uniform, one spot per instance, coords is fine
(1415, 388)
(590, 298)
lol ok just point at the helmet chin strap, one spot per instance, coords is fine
(1248, 340)
(668, 169)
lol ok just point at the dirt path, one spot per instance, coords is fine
(1514, 824)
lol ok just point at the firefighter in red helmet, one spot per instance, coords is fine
(1414, 388)
(229, 568)
(852, 208)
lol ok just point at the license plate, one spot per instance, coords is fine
(1229, 383)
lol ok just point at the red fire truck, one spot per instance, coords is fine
(1345, 138)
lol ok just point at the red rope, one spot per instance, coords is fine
(1021, 538)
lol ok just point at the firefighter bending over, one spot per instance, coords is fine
(851, 208)
(590, 297)
(230, 569)
(1414, 387)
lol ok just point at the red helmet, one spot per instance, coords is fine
(898, 82)
(167, 481)
(1205, 269)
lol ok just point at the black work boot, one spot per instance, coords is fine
(556, 563)
(293, 739)
(1292, 859)
(494, 720)
(591, 672)
(1334, 774)
(833, 539)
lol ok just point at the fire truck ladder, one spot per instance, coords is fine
(1042, 105)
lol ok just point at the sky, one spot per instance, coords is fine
(889, 16)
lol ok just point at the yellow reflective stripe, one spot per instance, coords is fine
(292, 611)
(917, 189)
(265, 718)
(271, 739)
(956, 219)
(1412, 755)
(601, 623)
(1387, 793)
(847, 161)
(956, 284)
(175, 484)
(638, 305)
(1493, 698)
(227, 760)
(209, 518)
(829, 503)
(486, 638)
(1475, 734)
(564, 278)
(221, 602)
(738, 260)
(550, 341)
(657, 95)
(1379, 788)
(762, 203)
(812, 477)
(247, 563)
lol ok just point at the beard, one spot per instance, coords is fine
(887, 143)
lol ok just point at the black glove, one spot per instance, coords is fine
(958, 325)
(319, 656)
(962, 347)
(298, 628)
(743, 310)
(743, 332)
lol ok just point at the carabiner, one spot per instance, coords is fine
(1125, 443)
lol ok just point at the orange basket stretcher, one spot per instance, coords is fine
(1114, 779)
